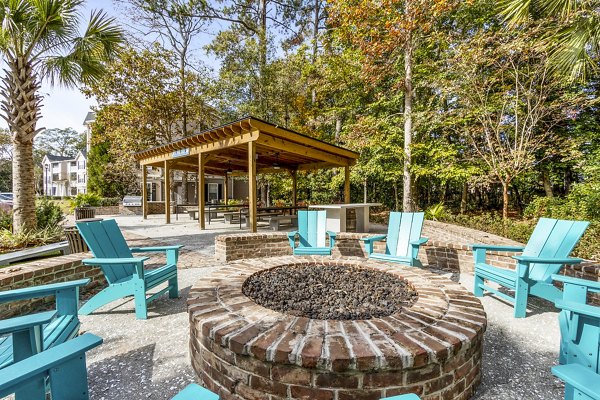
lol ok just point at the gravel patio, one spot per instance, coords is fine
(150, 359)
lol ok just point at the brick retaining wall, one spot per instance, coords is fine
(447, 248)
(49, 270)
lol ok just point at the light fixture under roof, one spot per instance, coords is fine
(276, 163)
(229, 170)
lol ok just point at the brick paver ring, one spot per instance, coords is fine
(244, 351)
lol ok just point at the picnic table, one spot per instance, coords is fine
(270, 212)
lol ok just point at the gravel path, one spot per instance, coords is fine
(149, 359)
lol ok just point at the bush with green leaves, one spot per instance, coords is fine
(48, 214)
(436, 212)
(86, 200)
(109, 201)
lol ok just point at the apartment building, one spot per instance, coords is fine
(64, 176)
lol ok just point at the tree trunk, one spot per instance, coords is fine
(505, 200)
(182, 76)
(338, 128)
(21, 109)
(464, 198)
(315, 43)
(23, 187)
(408, 204)
(396, 196)
(262, 42)
(365, 191)
(547, 183)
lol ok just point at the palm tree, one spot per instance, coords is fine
(41, 39)
(575, 45)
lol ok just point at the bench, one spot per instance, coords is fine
(231, 217)
(259, 217)
(34, 252)
(580, 382)
(275, 221)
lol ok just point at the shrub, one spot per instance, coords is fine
(436, 212)
(109, 201)
(48, 214)
(38, 237)
(5, 220)
(86, 199)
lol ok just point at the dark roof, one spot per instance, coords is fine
(89, 118)
(53, 158)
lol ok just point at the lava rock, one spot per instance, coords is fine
(330, 292)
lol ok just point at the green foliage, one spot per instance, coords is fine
(86, 200)
(436, 212)
(109, 201)
(29, 238)
(48, 214)
(5, 220)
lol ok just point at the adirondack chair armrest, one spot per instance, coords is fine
(591, 285)
(419, 242)
(22, 371)
(154, 249)
(547, 260)
(578, 308)
(372, 239)
(40, 291)
(292, 238)
(493, 247)
(332, 236)
(25, 322)
(114, 261)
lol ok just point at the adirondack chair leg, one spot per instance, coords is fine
(563, 322)
(477, 289)
(521, 295)
(571, 393)
(139, 295)
(174, 288)
(34, 389)
(69, 380)
(105, 296)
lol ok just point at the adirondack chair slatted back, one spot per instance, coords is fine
(311, 228)
(403, 228)
(552, 238)
(105, 240)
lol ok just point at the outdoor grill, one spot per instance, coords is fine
(132, 201)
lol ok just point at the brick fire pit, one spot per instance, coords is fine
(244, 351)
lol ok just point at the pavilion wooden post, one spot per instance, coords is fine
(347, 184)
(201, 200)
(145, 191)
(294, 174)
(167, 191)
(226, 188)
(252, 185)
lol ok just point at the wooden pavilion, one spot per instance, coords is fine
(250, 146)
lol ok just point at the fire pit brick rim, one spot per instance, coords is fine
(458, 320)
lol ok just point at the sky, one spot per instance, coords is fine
(67, 108)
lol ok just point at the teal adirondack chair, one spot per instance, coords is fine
(311, 233)
(580, 339)
(409, 396)
(26, 335)
(547, 250)
(125, 273)
(402, 241)
(579, 323)
(62, 370)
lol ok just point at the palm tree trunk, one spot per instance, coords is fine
(21, 109)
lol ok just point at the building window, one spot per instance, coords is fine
(81, 179)
(54, 177)
(73, 163)
(73, 176)
(73, 191)
(81, 164)
(54, 191)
